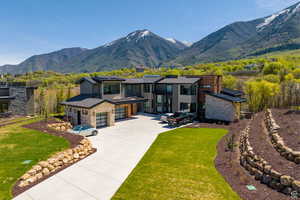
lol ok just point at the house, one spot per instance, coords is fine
(140, 68)
(17, 98)
(107, 99)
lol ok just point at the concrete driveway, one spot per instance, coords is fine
(100, 175)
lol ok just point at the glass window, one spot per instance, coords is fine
(169, 88)
(111, 88)
(3, 107)
(147, 88)
(184, 106)
(188, 89)
(193, 108)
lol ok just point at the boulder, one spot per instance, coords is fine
(266, 179)
(76, 156)
(39, 175)
(25, 176)
(46, 171)
(267, 169)
(296, 186)
(43, 164)
(37, 168)
(23, 183)
(297, 160)
(286, 180)
(287, 190)
(31, 179)
(32, 172)
(275, 175)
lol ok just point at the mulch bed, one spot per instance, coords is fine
(227, 163)
(261, 143)
(42, 126)
(289, 122)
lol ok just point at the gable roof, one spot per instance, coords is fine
(89, 101)
(227, 97)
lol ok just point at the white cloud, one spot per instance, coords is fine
(275, 5)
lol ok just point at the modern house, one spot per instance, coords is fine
(104, 100)
(17, 98)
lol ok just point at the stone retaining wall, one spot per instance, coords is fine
(56, 162)
(60, 126)
(262, 170)
(277, 140)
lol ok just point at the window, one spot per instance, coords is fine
(147, 88)
(169, 89)
(111, 88)
(184, 106)
(193, 108)
(84, 112)
(3, 107)
(188, 89)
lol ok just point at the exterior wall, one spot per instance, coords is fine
(219, 109)
(86, 88)
(175, 98)
(103, 107)
(150, 96)
(23, 104)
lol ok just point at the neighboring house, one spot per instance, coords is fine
(16, 98)
(140, 68)
(104, 100)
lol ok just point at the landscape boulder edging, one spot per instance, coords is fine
(56, 162)
(277, 140)
(262, 170)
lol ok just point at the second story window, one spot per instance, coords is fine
(188, 89)
(111, 88)
(147, 88)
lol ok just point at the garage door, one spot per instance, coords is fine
(101, 119)
(120, 113)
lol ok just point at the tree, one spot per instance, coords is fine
(229, 82)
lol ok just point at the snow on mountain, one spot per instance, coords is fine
(171, 40)
(270, 19)
(188, 44)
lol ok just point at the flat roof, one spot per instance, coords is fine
(227, 97)
(232, 92)
(179, 80)
(142, 80)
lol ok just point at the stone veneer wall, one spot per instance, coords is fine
(277, 141)
(56, 162)
(21, 104)
(262, 170)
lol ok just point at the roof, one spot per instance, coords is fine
(179, 80)
(227, 97)
(96, 79)
(7, 97)
(83, 101)
(142, 80)
(89, 101)
(231, 92)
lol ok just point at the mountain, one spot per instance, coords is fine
(279, 31)
(140, 47)
(52, 61)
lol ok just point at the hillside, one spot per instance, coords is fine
(277, 32)
(141, 47)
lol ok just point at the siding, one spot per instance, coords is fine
(219, 109)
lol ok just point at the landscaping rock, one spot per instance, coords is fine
(286, 180)
(296, 185)
(46, 171)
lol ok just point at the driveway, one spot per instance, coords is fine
(119, 149)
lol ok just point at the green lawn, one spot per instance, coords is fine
(179, 166)
(18, 144)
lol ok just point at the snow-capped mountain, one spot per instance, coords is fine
(279, 31)
(141, 47)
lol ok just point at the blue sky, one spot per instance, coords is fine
(30, 27)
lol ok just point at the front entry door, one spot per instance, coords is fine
(78, 117)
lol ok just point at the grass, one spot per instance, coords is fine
(179, 166)
(18, 144)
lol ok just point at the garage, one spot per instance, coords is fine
(101, 119)
(120, 113)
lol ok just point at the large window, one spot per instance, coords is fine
(147, 88)
(184, 107)
(188, 89)
(111, 88)
(193, 108)
(3, 107)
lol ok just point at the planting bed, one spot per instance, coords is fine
(74, 140)
(262, 147)
(289, 122)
